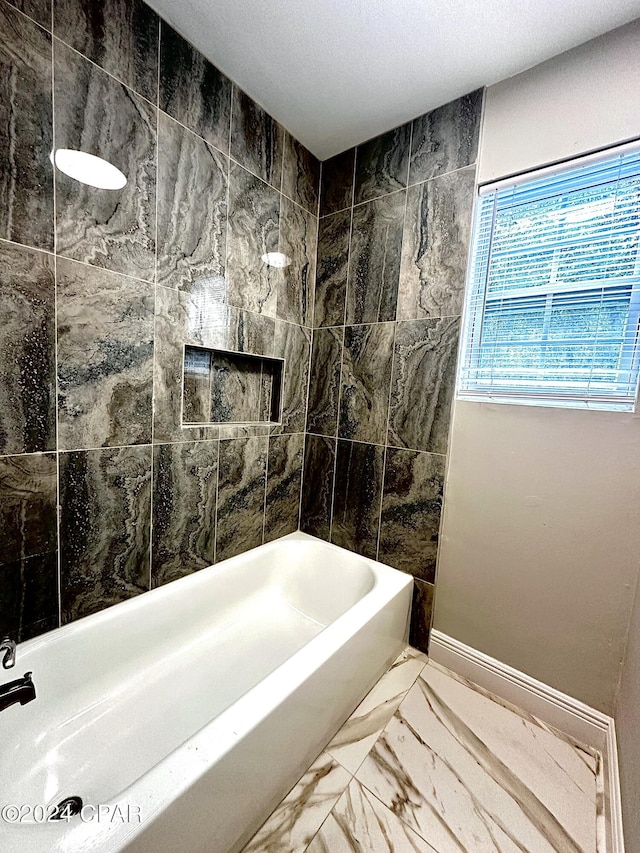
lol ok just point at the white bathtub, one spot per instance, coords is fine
(183, 716)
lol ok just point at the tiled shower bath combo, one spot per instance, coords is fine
(110, 484)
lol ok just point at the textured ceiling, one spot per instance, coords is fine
(337, 72)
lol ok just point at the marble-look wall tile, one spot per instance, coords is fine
(422, 384)
(105, 358)
(253, 229)
(105, 502)
(317, 487)
(299, 242)
(185, 480)
(192, 208)
(119, 35)
(436, 245)
(114, 229)
(411, 508)
(192, 90)
(37, 10)
(257, 139)
(421, 615)
(446, 138)
(293, 344)
(366, 378)
(241, 490)
(236, 389)
(356, 503)
(374, 262)
(29, 597)
(324, 385)
(300, 174)
(197, 318)
(284, 479)
(26, 131)
(382, 164)
(333, 264)
(336, 182)
(359, 823)
(27, 351)
(28, 496)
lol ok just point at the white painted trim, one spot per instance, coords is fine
(565, 713)
(614, 824)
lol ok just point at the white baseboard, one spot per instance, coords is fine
(565, 713)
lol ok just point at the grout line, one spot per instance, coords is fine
(155, 300)
(215, 517)
(55, 336)
(30, 19)
(266, 480)
(104, 71)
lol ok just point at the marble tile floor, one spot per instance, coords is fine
(431, 763)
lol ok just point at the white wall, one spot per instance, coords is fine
(580, 101)
(628, 728)
(540, 542)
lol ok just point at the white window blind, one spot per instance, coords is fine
(554, 291)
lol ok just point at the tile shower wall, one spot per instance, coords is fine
(103, 493)
(395, 221)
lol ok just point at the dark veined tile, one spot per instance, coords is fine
(197, 318)
(366, 378)
(298, 241)
(119, 35)
(333, 266)
(27, 351)
(356, 502)
(192, 90)
(284, 479)
(382, 164)
(324, 385)
(336, 182)
(114, 229)
(105, 519)
(374, 262)
(37, 10)
(300, 174)
(257, 139)
(423, 383)
(26, 131)
(191, 236)
(241, 490)
(253, 230)
(446, 138)
(421, 615)
(105, 358)
(28, 496)
(185, 479)
(436, 245)
(29, 597)
(411, 509)
(293, 344)
(317, 488)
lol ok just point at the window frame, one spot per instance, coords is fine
(476, 292)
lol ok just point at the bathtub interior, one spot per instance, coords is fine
(127, 687)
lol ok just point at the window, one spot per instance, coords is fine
(553, 303)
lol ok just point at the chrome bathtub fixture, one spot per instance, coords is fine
(21, 690)
(88, 169)
(9, 648)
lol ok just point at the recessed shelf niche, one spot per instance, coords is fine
(222, 387)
